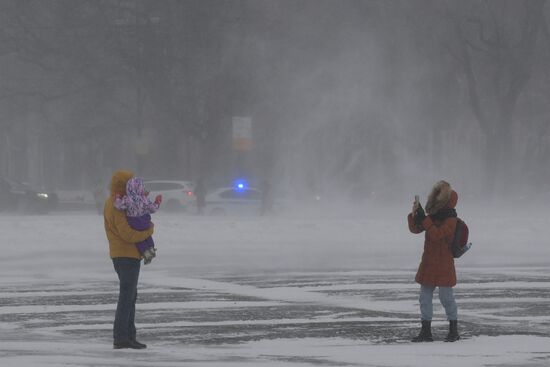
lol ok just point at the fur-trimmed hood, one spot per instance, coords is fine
(118, 182)
(442, 196)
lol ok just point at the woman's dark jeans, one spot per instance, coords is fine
(128, 274)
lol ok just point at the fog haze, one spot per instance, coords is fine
(282, 143)
(349, 100)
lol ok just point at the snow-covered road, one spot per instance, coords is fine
(336, 319)
(257, 292)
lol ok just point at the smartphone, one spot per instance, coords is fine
(416, 199)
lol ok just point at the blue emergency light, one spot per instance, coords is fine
(240, 185)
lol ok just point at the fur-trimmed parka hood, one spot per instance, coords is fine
(118, 182)
(442, 196)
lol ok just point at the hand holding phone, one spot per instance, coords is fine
(416, 204)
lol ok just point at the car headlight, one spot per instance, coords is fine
(42, 195)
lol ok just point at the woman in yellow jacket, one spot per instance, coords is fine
(126, 260)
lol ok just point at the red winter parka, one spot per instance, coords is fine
(437, 268)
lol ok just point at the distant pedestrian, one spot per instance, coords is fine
(437, 267)
(126, 260)
(138, 209)
(200, 195)
(267, 198)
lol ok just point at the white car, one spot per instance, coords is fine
(176, 195)
(234, 201)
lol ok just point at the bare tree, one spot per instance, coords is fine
(495, 44)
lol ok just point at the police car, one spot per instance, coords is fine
(239, 199)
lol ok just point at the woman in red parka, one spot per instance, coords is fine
(437, 268)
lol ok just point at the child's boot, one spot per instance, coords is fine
(148, 255)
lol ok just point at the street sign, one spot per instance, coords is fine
(242, 134)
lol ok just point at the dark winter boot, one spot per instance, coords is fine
(453, 331)
(137, 344)
(425, 333)
(127, 345)
(130, 344)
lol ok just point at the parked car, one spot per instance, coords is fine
(77, 200)
(23, 198)
(176, 195)
(234, 201)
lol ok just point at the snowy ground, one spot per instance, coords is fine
(271, 292)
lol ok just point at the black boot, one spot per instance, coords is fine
(453, 331)
(425, 333)
(137, 344)
(126, 345)
(130, 344)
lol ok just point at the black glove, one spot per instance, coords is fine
(419, 215)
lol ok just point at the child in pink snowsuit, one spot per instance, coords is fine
(138, 208)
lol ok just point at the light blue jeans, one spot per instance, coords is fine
(447, 298)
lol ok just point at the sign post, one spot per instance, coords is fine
(242, 144)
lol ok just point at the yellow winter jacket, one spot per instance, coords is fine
(122, 238)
